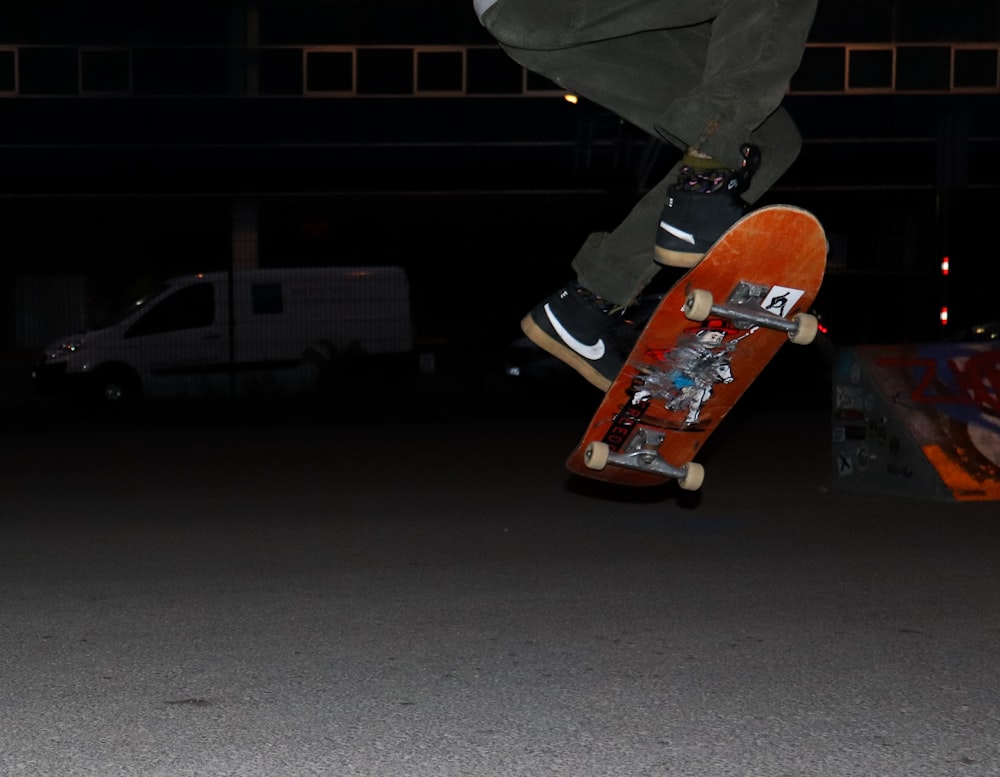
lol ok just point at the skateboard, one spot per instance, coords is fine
(711, 335)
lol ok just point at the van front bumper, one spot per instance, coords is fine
(52, 380)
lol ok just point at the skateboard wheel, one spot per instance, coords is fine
(694, 478)
(698, 305)
(805, 331)
(596, 455)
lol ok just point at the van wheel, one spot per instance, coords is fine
(116, 386)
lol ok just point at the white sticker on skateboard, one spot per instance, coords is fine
(780, 300)
(700, 360)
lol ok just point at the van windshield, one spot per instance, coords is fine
(123, 311)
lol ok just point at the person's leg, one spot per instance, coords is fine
(754, 50)
(606, 51)
(626, 60)
(577, 324)
(616, 74)
(585, 46)
(615, 51)
(618, 265)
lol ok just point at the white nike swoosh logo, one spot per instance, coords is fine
(592, 352)
(680, 234)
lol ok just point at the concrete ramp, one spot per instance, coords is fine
(918, 420)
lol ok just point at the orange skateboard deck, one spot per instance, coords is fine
(711, 335)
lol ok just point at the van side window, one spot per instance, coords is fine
(189, 308)
(265, 298)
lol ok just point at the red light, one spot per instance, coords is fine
(945, 265)
(943, 315)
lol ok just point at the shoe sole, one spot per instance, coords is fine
(550, 345)
(676, 258)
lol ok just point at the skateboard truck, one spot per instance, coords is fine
(699, 305)
(640, 453)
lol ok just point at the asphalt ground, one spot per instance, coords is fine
(414, 589)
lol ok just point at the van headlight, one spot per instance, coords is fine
(65, 348)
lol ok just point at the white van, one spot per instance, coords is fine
(235, 332)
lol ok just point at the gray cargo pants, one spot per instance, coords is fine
(704, 73)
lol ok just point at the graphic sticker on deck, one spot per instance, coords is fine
(691, 370)
(780, 300)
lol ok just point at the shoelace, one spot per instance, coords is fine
(711, 181)
(625, 329)
(606, 307)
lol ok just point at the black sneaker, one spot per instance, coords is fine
(581, 329)
(700, 207)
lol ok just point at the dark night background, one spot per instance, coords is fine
(132, 134)
(411, 584)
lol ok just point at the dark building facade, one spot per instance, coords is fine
(143, 140)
